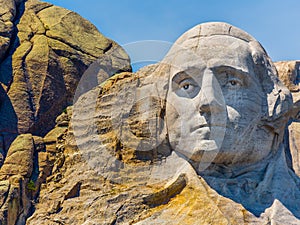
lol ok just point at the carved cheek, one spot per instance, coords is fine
(233, 115)
(244, 110)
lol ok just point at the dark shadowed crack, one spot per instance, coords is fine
(67, 54)
(28, 83)
(42, 6)
(13, 44)
(6, 196)
(77, 48)
(108, 47)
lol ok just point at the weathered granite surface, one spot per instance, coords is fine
(289, 73)
(44, 51)
(199, 138)
(139, 148)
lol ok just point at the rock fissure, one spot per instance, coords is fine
(28, 84)
(43, 8)
(72, 46)
(12, 32)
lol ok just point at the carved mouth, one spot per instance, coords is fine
(207, 125)
(199, 127)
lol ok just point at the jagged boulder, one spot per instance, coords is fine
(19, 159)
(30, 162)
(9, 12)
(294, 145)
(289, 74)
(15, 176)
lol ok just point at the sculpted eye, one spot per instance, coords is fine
(232, 79)
(184, 85)
(187, 86)
(234, 83)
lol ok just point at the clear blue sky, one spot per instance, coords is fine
(274, 23)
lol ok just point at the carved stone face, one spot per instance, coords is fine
(215, 104)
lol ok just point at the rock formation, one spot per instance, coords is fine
(123, 166)
(289, 73)
(199, 138)
(44, 52)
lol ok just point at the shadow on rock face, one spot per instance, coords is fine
(9, 120)
(258, 187)
(197, 138)
(222, 109)
(43, 57)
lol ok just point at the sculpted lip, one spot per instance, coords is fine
(199, 127)
(206, 125)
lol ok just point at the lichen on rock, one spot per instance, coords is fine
(49, 50)
(198, 138)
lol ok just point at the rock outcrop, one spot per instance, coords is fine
(289, 73)
(96, 186)
(109, 158)
(44, 52)
(120, 169)
(30, 162)
(15, 176)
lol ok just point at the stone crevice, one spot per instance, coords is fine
(71, 46)
(6, 196)
(65, 41)
(43, 8)
(13, 35)
(108, 48)
(28, 83)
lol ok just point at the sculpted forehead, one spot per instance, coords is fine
(212, 29)
(226, 50)
(214, 40)
(219, 50)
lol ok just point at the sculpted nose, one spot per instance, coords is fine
(210, 103)
(211, 96)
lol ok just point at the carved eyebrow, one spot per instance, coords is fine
(240, 73)
(178, 77)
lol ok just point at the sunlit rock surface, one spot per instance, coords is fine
(122, 167)
(209, 135)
